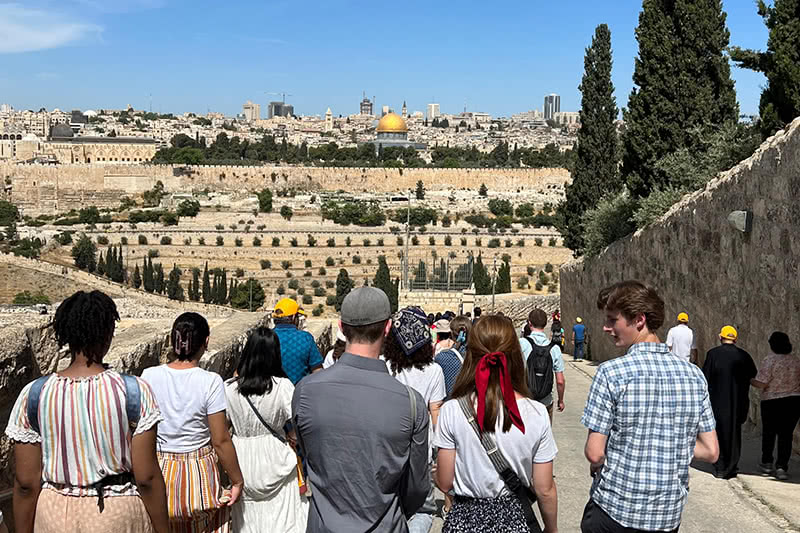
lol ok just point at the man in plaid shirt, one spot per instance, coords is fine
(648, 414)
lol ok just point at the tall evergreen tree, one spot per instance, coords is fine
(215, 289)
(147, 277)
(383, 281)
(174, 289)
(195, 294)
(207, 294)
(682, 87)
(480, 277)
(159, 284)
(343, 287)
(101, 266)
(780, 99)
(503, 284)
(596, 170)
(222, 299)
(137, 277)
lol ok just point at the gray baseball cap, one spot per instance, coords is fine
(365, 305)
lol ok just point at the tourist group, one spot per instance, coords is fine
(404, 402)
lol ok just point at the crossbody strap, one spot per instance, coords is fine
(509, 477)
(264, 422)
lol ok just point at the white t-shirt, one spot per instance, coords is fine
(681, 341)
(475, 476)
(329, 360)
(429, 382)
(186, 397)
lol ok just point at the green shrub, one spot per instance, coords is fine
(239, 272)
(142, 240)
(293, 242)
(521, 243)
(329, 284)
(286, 265)
(552, 242)
(531, 271)
(331, 242)
(539, 285)
(522, 282)
(432, 240)
(463, 241)
(233, 227)
(220, 227)
(319, 291)
(187, 241)
(366, 242)
(508, 243)
(288, 274)
(166, 240)
(494, 243)
(307, 274)
(280, 291)
(380, 242)
(317, 311)
(478, 242)
(301, 291)
(400, 241)
(276, 241)
(308, 299)
(152, 253)
(256, 242)
(348, 241)
(315, 283)
(294, 284)
(201, 241)
(548, 267)
(312, 242)
(610, 220)
(322, 271)
(329, 261)
(330, 300)
(448, 241)
(414, 240)
(265, 264)
(308, 263)
(356, 259)
(102, 240)
(537, 241)
(220, 240)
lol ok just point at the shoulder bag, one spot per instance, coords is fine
(525, 495)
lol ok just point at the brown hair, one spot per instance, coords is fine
(456, 325)
(338, 349)
(632, 298)
(538, 318)
(368, 334)
(492, 334)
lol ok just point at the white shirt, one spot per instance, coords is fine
(681, 341)
(186, 397)
(429, 382)
(329, 360)
(475, 476)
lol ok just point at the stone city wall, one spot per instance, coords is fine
(52, 188)
(705, 267)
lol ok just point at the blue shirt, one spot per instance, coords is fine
(579, 330)
(540, 338)
(299, 351)
(651, 405)
(451, 366)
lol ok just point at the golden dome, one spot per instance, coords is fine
(392, 123)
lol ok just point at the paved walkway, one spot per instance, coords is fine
(748, 504)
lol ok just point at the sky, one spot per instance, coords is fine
(498, 57)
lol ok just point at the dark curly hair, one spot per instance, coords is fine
(393, 352)
(85, 321)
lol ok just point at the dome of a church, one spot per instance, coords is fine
(392, 123)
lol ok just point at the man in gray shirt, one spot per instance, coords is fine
(365, 448)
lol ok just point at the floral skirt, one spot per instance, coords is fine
(487, 515)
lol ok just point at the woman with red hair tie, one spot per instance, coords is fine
(491, 410)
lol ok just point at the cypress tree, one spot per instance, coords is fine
(148, 275)
(682, 87)
(596, 166)
(207, 294)
(215, 290)
(174, 289)
(383, 281)
(158, 283)
(137, 278)
(480, 277)
(343, 286)
(222, 299)
(195, 293)
(504, 278)
(101, 266)
(780, 99)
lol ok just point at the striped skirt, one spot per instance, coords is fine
(194, 491)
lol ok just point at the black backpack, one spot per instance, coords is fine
(540, 370)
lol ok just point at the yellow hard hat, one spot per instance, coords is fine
(578, 320)
(729, 333)
(683, 317)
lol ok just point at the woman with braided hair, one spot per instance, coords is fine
(194, 434)
(491, 409)
(85, 437)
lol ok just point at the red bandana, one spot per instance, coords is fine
(487, 362)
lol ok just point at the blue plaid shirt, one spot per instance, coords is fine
(651, 405)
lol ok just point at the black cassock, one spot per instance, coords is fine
(728, 370)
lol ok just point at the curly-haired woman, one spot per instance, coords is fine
(85, 437)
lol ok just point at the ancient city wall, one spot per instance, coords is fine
(705, 267)
(51, 188)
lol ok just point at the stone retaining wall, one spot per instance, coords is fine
(705, 267)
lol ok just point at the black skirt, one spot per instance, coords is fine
(487, 515)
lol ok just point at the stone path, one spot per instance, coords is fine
(749, 504)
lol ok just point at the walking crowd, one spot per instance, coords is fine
(404, 402)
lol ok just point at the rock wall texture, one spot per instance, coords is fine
(518, 306)
(48, 188)
(705, 267)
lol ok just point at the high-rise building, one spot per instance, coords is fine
(280, 109)
(433, 111)
(251, 111)
(367, 106)
(552, 105)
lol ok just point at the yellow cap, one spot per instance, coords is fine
(729, 333)
(287, 307)
(578, 320)
(683, 317)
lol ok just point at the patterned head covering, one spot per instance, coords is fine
(410, 328)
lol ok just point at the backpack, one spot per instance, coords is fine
(540, 370)
(133, 401)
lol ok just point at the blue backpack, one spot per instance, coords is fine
(133, 400)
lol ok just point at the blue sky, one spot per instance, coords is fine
(501, 57)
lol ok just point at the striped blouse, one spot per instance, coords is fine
(85, 435)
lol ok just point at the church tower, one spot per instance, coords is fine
(328, 121)
(404, 111)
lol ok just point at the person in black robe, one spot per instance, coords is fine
(728, 370)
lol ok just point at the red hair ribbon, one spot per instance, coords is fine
(487, 362)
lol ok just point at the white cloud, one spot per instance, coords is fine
(24, 29)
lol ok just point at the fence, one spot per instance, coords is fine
(433, 273)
